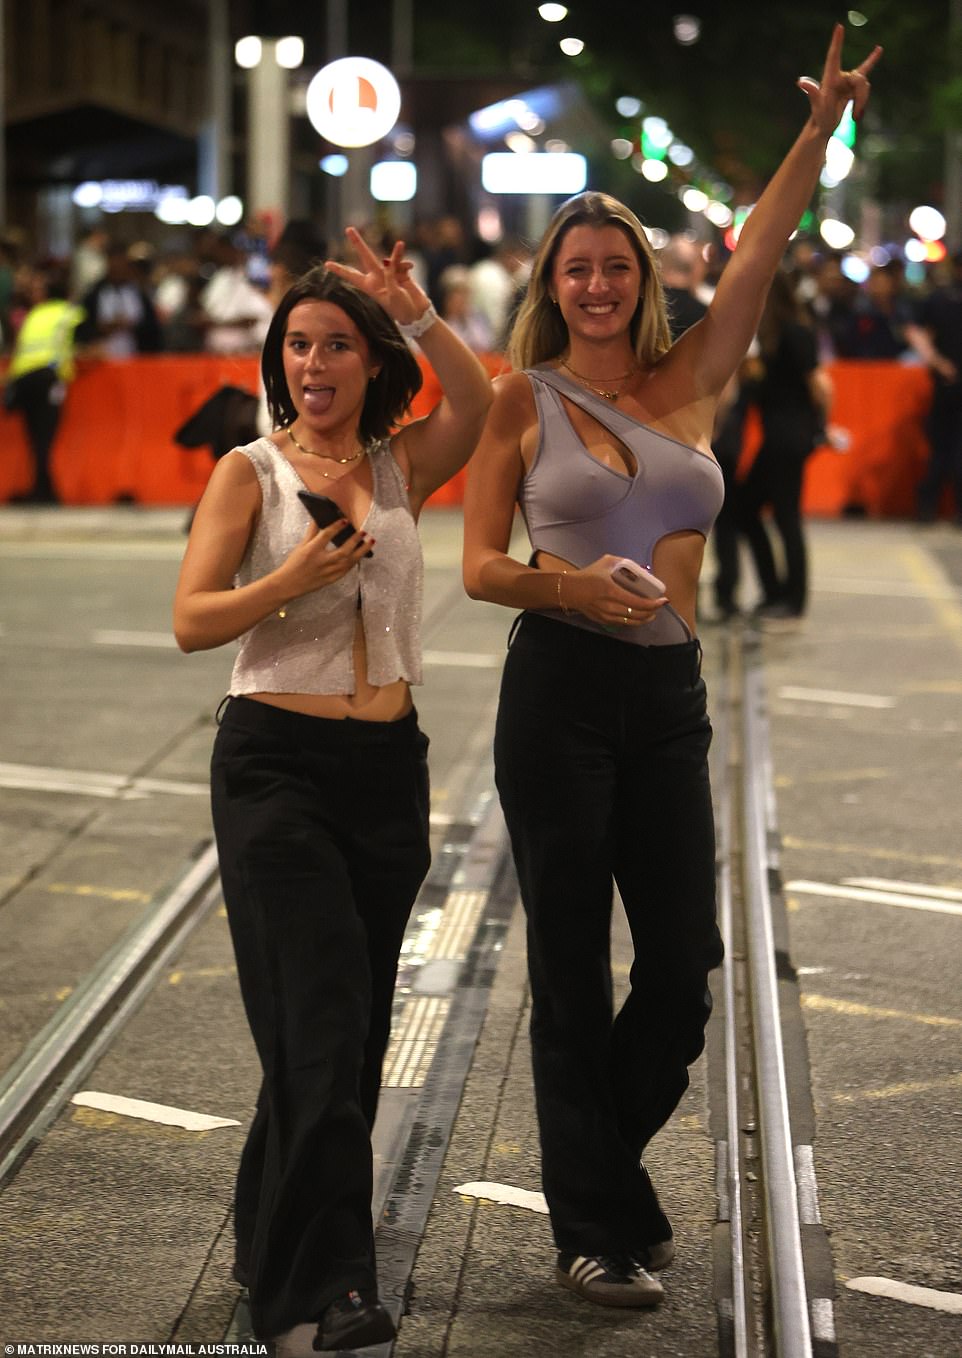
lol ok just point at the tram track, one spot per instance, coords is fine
(774, 1284)
(771, 1291)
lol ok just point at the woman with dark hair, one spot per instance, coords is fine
(602, 437)
(319, 777)
(792, 395)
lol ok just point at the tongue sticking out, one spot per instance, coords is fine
(318, 400)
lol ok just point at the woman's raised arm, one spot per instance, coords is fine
(716, 346)
(439, 445)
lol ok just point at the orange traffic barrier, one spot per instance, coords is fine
(116, 438)
(881, 406)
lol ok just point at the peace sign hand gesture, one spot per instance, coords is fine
(829, 96)
(387, 281)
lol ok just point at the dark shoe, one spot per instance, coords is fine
(780, 612)
(608, 1281)
(654, 1257)
(239, 1274)
(354, 1322)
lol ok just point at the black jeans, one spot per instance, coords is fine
(322, 835)
(601, 763)
(945, 456)
(39, 395)
(775, 478)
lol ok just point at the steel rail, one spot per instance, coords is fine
(724, 817)
(789, 1303)
(47, 1072)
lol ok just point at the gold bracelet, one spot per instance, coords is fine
(561, 602)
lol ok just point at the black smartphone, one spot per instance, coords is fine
(324, 512)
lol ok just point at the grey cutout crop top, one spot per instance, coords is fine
(311, 648)
(578, 508)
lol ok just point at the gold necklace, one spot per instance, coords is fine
(599, 391)
(311, 452)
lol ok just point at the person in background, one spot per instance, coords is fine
(238, 313)
(792, 395)
(297, 249)
(468, 323)
(41, 369)
(880, 315)
(88, 263)
(497, 281)
(319, 776)
(120, 317)
(8, 274)
(681, 268)
(830, 298)
(936, 336)
(601, 435)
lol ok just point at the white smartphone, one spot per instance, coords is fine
(629, 575)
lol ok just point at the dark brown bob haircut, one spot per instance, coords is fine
(389, 394)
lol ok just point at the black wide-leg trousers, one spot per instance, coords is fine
(601, 763)
(322, 834)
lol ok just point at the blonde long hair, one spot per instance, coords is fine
(540, 333)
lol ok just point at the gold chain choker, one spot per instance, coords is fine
(311, 452)
(599, 391)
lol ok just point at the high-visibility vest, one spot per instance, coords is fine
(45, 339)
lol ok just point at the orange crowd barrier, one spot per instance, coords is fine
(881, 406)
(116, 437)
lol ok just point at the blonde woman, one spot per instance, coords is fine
(602, 437)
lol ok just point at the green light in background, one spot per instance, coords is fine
(846, 128)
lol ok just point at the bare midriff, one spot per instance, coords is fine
(678, 559)
(390, 702)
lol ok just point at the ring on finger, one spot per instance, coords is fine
(628, 614)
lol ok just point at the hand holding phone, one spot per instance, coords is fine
(324, 511)
(629, 575)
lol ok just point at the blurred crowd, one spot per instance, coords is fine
(216, 293)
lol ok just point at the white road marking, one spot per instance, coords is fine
(907, 1292)
(469, 660)
(107, 637)
(38, 778)
(151, 1112)
(883, 589)
(823, 1320)
(836, 697)
(854, 893)
(506, 1194)
(941, 893)
(94, 551)
(807, 1186)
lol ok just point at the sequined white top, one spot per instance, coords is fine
(311, 649)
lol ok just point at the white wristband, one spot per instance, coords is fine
(415, 329)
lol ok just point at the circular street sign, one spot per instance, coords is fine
(353, 101)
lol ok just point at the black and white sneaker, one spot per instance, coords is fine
(354, 1322)
(608, 1280)
(654, 1257)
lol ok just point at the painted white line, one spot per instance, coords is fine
(835, 696)
(63, 780)
(469, 660)
(854, 893)
(823, 1320)
(939, 893)
(907, 1292)
(93, 551)
(106, 637)
(506, 1194)
(150, 1112)
(38, 778)
(807, 1186)
(883, 589)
